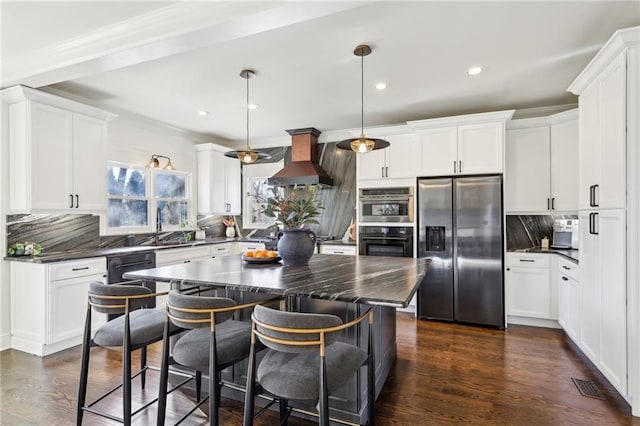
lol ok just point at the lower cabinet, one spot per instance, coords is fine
(341, 249)
(530, 291)
(242, 247)
(176, 256)
(49, 303)
(567, 277)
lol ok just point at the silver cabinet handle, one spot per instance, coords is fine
(382, 171)
(386, 169)
(454, 166)
(80, 269)
(459, 166)
(566, 267)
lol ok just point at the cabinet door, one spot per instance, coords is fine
(68, 308)
(528, 292)
(610, 225)
(218, 184)
(439, 152)
(573, 318)
(89, 163)
(371, 164)
(589, 145)
(564, 166)
(402, 157)
(564, 304)
(612, 190)
(51, 167)
(590, 290)
(480, 148)
(527, 170)
(233, 186)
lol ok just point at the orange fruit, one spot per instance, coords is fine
(261, 253)
(272, 253)
(249, 253)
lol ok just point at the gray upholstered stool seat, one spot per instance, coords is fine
(147, 326)
(233, 340)
(295, 376)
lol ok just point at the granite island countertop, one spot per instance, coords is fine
(354, 279)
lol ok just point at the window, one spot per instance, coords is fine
(171, 193)
(139, 197)
(128, 206)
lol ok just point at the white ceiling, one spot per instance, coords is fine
(167, 60)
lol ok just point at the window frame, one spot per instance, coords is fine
(187, 198)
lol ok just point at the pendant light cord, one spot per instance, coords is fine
(362, 95)
(247, 106)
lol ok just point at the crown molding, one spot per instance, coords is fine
(619, 41)
(559, 118)
(461, 120)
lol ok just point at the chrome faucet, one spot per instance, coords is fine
(158, 220)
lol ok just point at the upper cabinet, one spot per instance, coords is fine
(541, 167)
(462, 145)
(219, 181)
(397, 161)
(57, 152)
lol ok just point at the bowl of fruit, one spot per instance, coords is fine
(261, 256)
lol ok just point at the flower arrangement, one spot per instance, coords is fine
(229, 221)
(294, 207)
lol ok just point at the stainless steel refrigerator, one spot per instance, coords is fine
(460, 224)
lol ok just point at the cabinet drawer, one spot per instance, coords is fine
(528, 260)
(338, 249)
(77, 268)
(243, 247)
(178, 255)
(568, 268)
(222, 249)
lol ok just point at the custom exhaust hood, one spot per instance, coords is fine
(304, 167)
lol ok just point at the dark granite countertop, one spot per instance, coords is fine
(82, 254)
(355, 279)
(571, 254)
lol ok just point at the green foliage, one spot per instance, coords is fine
(294, 207)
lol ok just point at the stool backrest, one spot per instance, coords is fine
(178, 303)
(112, 291)
(293, 320)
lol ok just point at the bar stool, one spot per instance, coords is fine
(305, 361)
(135, 329)
(214, 342)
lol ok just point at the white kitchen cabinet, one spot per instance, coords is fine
(49, 303)
(567, 276)
(528, 285)
(219, 181)
(541, 166)
(244, 246)
(57, 150)
(174, 256)
(603, 138)
(469, 144)
(340, 249)
(399, 160)
(223, 249)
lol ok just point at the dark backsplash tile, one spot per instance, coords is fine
(525, 231)
(55, 232)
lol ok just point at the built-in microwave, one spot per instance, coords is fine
(386, 204)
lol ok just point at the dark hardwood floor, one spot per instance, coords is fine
(444, 374)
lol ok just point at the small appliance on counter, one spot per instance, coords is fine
(565, 234)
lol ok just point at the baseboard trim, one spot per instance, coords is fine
(533, 322)
(5, 342)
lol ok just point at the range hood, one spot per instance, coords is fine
(304, 167)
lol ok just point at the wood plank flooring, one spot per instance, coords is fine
(445, 374)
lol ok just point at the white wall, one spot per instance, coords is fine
(5, 302)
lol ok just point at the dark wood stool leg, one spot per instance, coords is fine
(84, 369)
(284, 419)
(198, 385)
(126, 373)
(323, 394)
(143, 365)
(213, 381)
(164, 376)
(250, 388)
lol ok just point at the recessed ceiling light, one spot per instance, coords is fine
(381, 85)
(252, 106)
(474, 70)
(203, 113)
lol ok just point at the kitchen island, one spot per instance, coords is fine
(341, 285)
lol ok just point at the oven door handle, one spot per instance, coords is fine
(385, 238)
(126, 265)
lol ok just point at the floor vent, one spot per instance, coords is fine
(587, 388)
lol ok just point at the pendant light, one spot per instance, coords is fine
(362, 143)
(247, 155)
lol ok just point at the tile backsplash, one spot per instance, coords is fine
(55, 232)
(526, 231)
